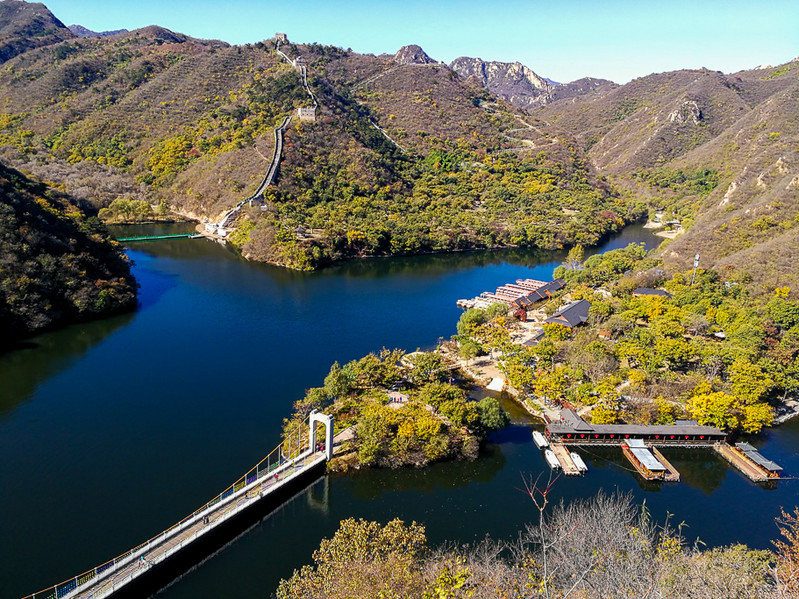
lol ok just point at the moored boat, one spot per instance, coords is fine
(553, 462)
(578, 461)
(540, 440)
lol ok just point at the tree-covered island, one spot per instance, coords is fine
(399, 410)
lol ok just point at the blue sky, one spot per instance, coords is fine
(560, 39)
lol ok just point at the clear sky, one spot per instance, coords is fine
(560, 39)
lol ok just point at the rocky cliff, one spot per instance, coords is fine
(412, 54)
(512, 81)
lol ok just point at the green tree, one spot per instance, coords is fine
(784, 312)
(374, 433)
(492, 416)
(574, 260)
(468, 349)
(425, 367)
(337, 383)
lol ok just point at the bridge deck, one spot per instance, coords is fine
(199, 525)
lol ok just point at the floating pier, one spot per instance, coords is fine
(638, 443)
(672, 475)
(565, 459)
(749, 461)
(643, 460)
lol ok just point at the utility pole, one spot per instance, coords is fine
(696, 264)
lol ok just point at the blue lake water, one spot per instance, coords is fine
(112, 431)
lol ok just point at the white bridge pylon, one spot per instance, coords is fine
(315, 420)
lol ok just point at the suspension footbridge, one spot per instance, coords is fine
(297, 458)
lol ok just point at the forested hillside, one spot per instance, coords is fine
(56, 264)
(403, 157)
(716, 152)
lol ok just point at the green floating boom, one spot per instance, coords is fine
(157, 237)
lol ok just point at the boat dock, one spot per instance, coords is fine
(564, 457)
(671, 475)
(639, 445)
(643, 460)
(749, 461)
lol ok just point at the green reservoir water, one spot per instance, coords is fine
(112, 431)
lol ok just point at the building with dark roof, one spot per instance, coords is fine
(571, 428)
(754, 455)
(571, 315)
(543, 292)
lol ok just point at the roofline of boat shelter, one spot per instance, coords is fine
(753, 454)
(573, 429)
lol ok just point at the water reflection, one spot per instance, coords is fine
(373, 483)
(25, 367)
(702, 469)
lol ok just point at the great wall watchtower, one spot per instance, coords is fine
(306, 114)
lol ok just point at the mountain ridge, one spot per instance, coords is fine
(81, 31)
(744, 126)
(520, 85)
(28, 25)
(400, 133)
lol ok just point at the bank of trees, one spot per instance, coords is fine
(435, 421)
(454, 198)
(603, 548)
(125, 210)
(57, 265)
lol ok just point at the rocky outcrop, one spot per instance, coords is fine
(512, 81)
(520, 85)
(412, 54)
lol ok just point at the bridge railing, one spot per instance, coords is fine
(286, 456)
